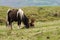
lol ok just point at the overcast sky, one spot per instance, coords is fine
(22, 3)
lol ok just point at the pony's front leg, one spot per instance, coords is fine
(19, 23)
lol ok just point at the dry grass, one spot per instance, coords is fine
(42, 31)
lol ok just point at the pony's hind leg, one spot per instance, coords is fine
(10, 25)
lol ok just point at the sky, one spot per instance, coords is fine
(22, 3)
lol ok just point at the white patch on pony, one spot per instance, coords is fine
(20, 11)
(7, 17)
(8, 10)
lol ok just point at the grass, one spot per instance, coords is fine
(46, 13)
(47, 25)
(42, 31)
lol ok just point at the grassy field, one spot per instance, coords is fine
(46, 13)
(41, 31)
(47, 25)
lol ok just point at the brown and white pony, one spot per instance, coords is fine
(18, 15)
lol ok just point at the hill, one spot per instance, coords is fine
(47, 25)
(46, 13)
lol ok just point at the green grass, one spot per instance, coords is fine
(47, 25)
(41, 31)
(44, 13)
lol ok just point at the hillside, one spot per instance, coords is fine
(47, 25)
(46, 13)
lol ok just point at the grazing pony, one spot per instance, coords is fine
(17, 15)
